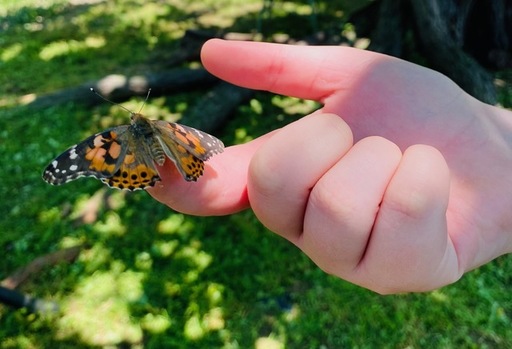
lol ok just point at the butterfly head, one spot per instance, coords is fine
(137, 118)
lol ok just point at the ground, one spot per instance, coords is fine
(148, 277)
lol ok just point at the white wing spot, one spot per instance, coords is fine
(73, 168)
(72, 154)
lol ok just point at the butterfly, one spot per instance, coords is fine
(125, 157)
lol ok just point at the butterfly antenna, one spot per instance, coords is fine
(114, 103)
(145, 100)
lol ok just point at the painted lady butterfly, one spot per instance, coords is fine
(124, 157)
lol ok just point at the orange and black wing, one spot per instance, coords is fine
(98, 156)
(134, 173)
(187, 147)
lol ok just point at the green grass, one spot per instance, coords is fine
(149, 277)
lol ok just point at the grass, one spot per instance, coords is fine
(149, 277)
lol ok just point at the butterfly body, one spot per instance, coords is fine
(125, 157)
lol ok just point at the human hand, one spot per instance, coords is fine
(405, 191)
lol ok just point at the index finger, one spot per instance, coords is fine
(299, 71)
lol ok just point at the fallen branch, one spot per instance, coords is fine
(34, 267)
(121, 87)
(214, 108)
(16, 299)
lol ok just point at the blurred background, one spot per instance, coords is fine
(85, 266)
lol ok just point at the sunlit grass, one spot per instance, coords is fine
(62, 48)
(148, 277)
(98, 310)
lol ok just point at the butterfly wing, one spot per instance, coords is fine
(187, 147)
(135, 172)
(98, 156)
(198, 143)
(112, 156)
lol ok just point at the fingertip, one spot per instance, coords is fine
(213, 57)
(209, 48)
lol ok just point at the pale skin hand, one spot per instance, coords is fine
(407, 189)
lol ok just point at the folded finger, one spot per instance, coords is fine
(344, 204)
(410, 248)
(287, 167)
